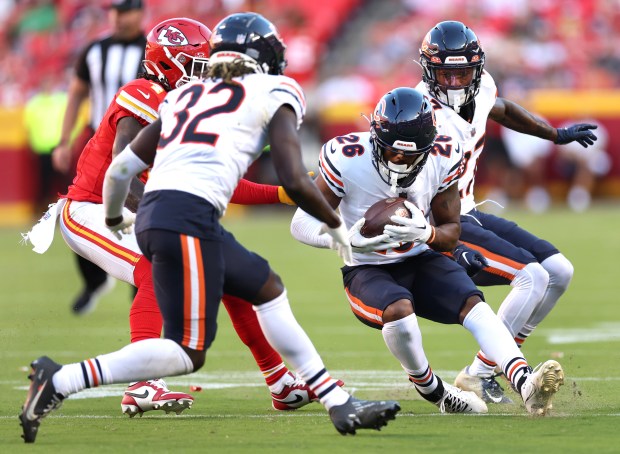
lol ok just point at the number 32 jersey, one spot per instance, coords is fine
(346, 164)
(213, 131)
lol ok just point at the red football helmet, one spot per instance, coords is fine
(174, 47)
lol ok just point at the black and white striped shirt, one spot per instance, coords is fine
(106, 65)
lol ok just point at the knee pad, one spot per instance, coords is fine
(560, 270)
(532, 275)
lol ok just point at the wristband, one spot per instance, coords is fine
(432, 237)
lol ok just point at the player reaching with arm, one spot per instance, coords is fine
(175, 52)
(401, 274)
(194, 260)
(464, 96)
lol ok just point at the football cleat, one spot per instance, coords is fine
(362, 414)
(295, 394)
(150, 395)
(87, 301)
(455, 400)
(540, 386)
(42, 397)
(487, 388)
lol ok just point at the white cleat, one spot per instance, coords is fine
(540, 386)
(456, 400)
(150, 395)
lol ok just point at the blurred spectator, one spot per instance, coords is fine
(529, 156)
(45, 108)
(583, 167)
(102, 68)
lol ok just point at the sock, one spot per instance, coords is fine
(145, 319)
(516, 371)
(404, 340)
(135, 362)
(496, 342)
(560, 272)
(278, 378)
(245, 323)
(289, 339)
(481, 366)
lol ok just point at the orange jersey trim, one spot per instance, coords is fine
(366, 309)
(191, 299)
(331, 176)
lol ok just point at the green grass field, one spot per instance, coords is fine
(233, 412)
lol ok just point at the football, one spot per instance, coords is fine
(379, 214)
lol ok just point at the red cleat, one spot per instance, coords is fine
(153, 395)
(295, 394)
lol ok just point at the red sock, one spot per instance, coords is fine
(145, 320)
(248, 329)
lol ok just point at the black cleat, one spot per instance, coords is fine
(362, 414)
(42, 397)
(87, 301)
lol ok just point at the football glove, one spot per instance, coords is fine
(414, 229)
(360, 243)
(124, 224)
(340, 241)
(470, 259)
(580, 132)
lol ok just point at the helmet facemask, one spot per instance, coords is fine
(453, 95)
(396, 175)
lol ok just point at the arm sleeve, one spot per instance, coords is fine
(250, 193)
(117, 179)
(307, 229)
(81, 66)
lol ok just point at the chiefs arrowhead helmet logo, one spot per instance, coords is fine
(172, 36)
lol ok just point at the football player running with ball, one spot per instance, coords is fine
(401, 274)
(197, 165)
(464, 96)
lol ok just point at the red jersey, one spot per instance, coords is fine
(140, 99)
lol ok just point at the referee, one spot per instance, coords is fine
(102, 68)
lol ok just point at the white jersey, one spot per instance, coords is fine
(470, 135)
(347, 166)
(212, 132)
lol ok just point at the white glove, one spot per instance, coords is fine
(416, 229)
(340, 241)
(360, 243)
(125, 226)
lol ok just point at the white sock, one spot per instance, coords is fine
(404, 339)
(560, 271)
(290, 340)
(491, 334)
(138, 361)
(481, 366)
